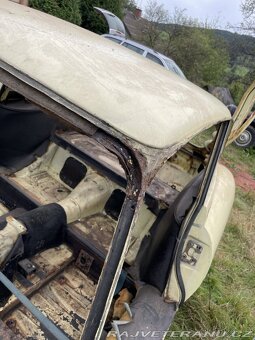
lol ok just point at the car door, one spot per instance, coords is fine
(243, 117)
(194, 259)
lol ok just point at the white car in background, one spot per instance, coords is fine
(147, 53)
(117, 33)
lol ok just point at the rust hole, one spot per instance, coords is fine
(61, 280)
(11, 323)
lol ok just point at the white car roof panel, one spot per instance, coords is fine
(132, 95)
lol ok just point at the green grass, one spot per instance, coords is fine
(226, 299)
(244, 158)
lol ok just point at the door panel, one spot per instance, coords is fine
(243, 116)
(204, 236)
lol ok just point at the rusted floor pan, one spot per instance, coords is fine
(98, 229)
(65, 300)
(42, 187)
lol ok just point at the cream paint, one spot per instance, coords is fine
(88, 198)
(9, 235)
(206, 231)
(141, 228)
(135, 96)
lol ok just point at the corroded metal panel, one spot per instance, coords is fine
(6, 332)
(65, 300)
(98, 230)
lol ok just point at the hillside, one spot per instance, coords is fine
(239, 45)
(241, 49)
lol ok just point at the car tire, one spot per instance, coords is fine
(247, 138)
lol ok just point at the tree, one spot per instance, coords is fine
(199, 55)
(81, 12)
(248, 11)
(195, 48)
(237, 90)
(155, 14)
(188, 41)
(92, 20)
(65, 9)
(130, 5)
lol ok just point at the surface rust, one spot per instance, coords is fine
(133, 163)
(6, 331)
(157, 189)
(66, 300)
(98, 229)
(49, 264)
(42, 187)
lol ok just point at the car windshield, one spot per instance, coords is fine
(171, 65)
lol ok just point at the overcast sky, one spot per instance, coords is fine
(228, 11)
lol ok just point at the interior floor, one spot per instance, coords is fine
(64, 282)
(42, 165)
(59, 289)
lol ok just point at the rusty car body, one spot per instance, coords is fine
(112, 197)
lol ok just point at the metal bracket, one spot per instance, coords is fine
(191, 253)
(26, 267)
(84, 261)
